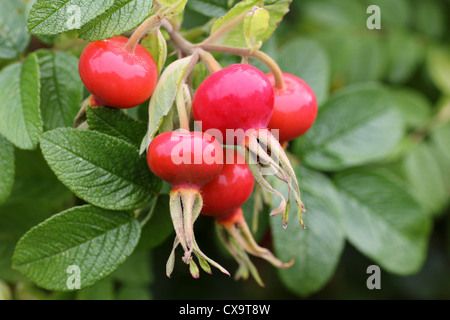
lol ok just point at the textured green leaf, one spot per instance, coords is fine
(115, 123)
(384, 221)
(95, 240)
(20, 116)
(7, 168)
(53, 17)
(14, 38)
(307, 60)
(165, 93)
(159, 227)
(122, 16)
(100, 169)
(61, 88)
(424, 176)
(317, 249)
(355, 127)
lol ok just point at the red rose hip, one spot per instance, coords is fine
(116, 77)
(295, 107)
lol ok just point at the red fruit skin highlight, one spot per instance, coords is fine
(295, 107)
(237, 97)
(116, 77)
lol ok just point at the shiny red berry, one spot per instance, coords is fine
(237, 97)
(116, 77)
(228, 191)
(185, 159)
(295, 107)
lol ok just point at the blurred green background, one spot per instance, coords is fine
(328, 44)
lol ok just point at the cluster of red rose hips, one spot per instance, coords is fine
(238, 97)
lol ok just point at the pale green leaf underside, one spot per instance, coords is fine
(100, 169)
(165, 92)
(97, 241)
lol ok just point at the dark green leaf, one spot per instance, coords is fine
(61, 88)
(100, 169)
(20, 116)
(94, 240)
(383, 220)
(136, 271)
(424, 176)
(413, 105)
(209, 8)
(117, 124)
(102, 290)
(317, 249)
(355, 127)
(307, 60)
(53, 17)
(14, 38)
(122, 16)
(159, 227)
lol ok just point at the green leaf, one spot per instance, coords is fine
(156, 44)
(209, 8)
(35, 196)
(100, 169)
(172, 7)
(229, 29)
(115, 123)
(424, 177)
(317, 249)
(159, 227)
(101, 290)
(413, 105)
(53, 17)
(61, 88)
(355, 127)
(7, 168)
(440, 140)
(165, 93)
(136, 271)
(383, 221)
(307, 59)
(20, 117)
(14, 38)
(404, 53)
(96, 241)
(438, 62)
(122, 16)
(256, 23)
